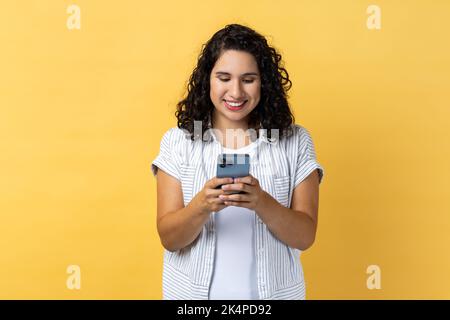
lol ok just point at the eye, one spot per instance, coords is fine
(246, 81)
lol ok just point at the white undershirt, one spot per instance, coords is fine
(234, 275)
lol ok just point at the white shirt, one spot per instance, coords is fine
(280, 167)
(234, 274)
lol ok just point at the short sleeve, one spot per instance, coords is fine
(306, 159)
(165, 159)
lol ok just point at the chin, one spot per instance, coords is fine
(235, 117)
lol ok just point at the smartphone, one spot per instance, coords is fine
(233, 165)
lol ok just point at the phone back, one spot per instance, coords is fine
(233, 165)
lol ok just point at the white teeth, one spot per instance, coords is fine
(235, 104)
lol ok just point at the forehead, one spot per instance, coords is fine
(233, 61)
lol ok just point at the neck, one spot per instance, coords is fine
(233, 134)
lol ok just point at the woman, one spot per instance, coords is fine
(236, 246)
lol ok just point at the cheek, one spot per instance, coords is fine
(256, 92)
(217, 90)
(254, 88)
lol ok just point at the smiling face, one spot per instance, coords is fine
(235, 89)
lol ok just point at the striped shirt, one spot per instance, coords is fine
(279, 166)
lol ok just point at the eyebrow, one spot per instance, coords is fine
(244, 74)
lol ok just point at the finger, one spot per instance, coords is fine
(214, 193)
(216, 204)
(217, 201)
(235, 197)
(247, 180)
(242, 204)
(237, 187)
(216, 182)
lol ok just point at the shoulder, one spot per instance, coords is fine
(299, 142)
(297, 134)
(299, 130)
(175, 136)
(302, 133)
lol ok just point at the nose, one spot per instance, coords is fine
(236, 90)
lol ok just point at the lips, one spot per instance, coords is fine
(234, 108)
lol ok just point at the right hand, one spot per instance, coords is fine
(207, 200)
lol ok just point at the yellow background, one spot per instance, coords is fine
(83, 111)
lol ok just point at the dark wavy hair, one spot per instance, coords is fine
(272, 111)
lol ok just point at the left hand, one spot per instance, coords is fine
(251, 199)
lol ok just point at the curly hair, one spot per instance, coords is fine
(272, 111)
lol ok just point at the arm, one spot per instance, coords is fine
(179, 225)
(295, 226)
